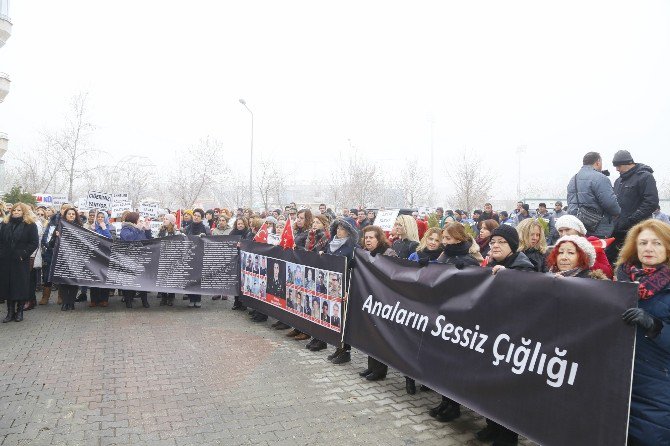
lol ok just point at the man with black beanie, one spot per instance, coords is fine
(637, 195)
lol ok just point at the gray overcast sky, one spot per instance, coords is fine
(560, 78)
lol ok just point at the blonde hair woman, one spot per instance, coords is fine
(533, 242)
(18, 240)
(407, 234)
(645, 259)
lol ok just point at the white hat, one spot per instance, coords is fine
(581, 243)
(571, 222)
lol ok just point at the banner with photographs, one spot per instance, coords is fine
(177, 264)
(547, 357)
(300, 288)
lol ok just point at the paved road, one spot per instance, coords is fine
(181, 376)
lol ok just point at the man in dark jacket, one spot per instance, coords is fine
(637, 194)
(590, 188)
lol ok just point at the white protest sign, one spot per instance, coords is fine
(386, 219)
(120, 204)
(80, 204)
(99, 200)
(155, 227)
(59, 199)
(149, 210)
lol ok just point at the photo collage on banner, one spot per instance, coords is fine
(311, 293)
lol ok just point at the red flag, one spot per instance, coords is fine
(178, 217)
(600, 244)
(287, 240)
(262, 234)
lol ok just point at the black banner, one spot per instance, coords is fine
(178, 264)
(300, 288)
(547, 357)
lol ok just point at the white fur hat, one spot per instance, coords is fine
(581, 243)
(571, 222)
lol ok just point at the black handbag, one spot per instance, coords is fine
(591, 217)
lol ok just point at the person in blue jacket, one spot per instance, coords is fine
(644, 258)
(100, 296)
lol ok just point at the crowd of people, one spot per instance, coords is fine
(606, 233)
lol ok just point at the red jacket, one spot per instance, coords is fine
(601, 259)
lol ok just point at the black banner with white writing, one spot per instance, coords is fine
(300, 288)
(547, 357)
(177, 264)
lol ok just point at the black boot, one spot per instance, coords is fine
(318, 346)
(129, 302)
(443, 406)
(452, 412)
(343, 357)
(335, 354)
(18, 315)
(81, 298)
(11, 309)
(410, 385)
(145, 302)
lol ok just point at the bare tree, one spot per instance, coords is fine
(471, 182)
(72, 144)
(269, 182)
(200, 170)
(36, 170)
(413, 184)
(362, 184)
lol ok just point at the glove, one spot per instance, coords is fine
(459, 264)
(424, 262)
(639, 317)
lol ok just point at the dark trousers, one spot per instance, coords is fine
(194, 297)
(612, 251)
(377, 366)
(69, 293)
(99, 295)
(35, 276)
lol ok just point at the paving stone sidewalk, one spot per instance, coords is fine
(182, 376)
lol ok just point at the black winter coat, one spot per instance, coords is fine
(404, 248)
(637, 195)
(18, 240)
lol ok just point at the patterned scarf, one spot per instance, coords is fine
(652, 280)
(569, 273)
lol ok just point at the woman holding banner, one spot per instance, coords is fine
(168, 229)
(317, 239)
(505, 253)
(66, 293)
(100, 296)
(303, 222)
(47, 253)
(645, 259)
(374, 241)
(18, 241)
(573, 256)
(241, 229)
(132, 231)
(197, 227)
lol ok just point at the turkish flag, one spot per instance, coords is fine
(262, 234)
(287, 240)
(600, 243)
(178, 217)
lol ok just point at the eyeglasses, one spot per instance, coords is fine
(500, 242)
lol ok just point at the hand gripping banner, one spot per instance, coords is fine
(547, 357)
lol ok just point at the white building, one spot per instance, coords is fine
(5, 32)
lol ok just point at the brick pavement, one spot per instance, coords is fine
(180, 376)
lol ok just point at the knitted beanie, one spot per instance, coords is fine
(509, 234)
(582, 244)
(622, 157)
(571, 222)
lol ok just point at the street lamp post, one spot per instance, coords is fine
(251, 156)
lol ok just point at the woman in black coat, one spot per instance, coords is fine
(18, 240)
(68, 293)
